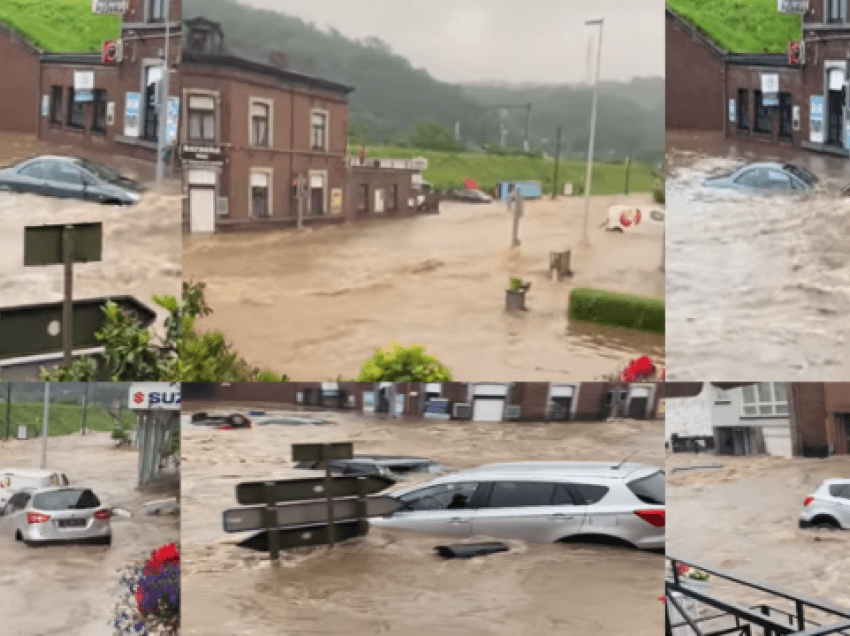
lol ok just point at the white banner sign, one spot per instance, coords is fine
(132, 114)
(109, 6)
(154, 396)
(83, 81)
(769, 83)
(792, 6)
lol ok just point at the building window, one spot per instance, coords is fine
(157, 10)
(260, 114)
(836, 11)
(260, 195)
(766, 399)
(318, 130)
(786, 117)
(363, 201)
(722, 396)
(98, 123)
(76, 112)
(762, 114)
(392, 204)
(201, 109)
(56, 105)
(153, 81)
(743, 110)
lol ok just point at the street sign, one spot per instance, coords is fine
(319, 452)
(154, 396)
(43, 244)
(83, 86)
(792, 6)
(109, 6)
(29, 330)
(306, 536)
(252, 493)
(244, 519)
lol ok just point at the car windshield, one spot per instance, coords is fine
(649, 489)
(70, 499)
(801, 173)
(99, 171)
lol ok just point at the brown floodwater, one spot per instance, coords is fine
(757, 286)
(141, 243)
(391, 582)
(743, 518)
(316, 304)
(72, 590)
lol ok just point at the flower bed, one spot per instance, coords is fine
(149, 601)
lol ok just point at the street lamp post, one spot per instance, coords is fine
(163, 102)
(585, 240)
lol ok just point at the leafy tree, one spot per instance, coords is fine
(358, 134)
(403, 364)
(433, 136)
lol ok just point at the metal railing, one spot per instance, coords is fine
(764, 619)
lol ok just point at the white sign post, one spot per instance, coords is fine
(153, 396)
(83, 86)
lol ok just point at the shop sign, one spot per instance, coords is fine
(816, 126)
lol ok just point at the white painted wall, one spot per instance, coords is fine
(689, 417)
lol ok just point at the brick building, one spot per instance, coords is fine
(118, 111)
(519, 401)
(797, 101)
(821, 416)
(264, 145)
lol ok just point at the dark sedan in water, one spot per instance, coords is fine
(779, 178)
(70, 178)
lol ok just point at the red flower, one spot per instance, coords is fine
(663, 599)
(164, 555)
(683, 569)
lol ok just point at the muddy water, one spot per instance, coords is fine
(391, 582)
(743, 518)
(317, 304)
(141, 243)
(757, 286)
(77, 583)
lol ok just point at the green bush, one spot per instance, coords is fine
(621, 310)
(403, 364)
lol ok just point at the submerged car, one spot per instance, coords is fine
(56, 515)
(469, 195)
(779, 178)
(70, 178)
(828, 507)
(540, 502)
(391, 466)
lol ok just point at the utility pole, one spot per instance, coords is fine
(557, 158)
(628, 164)
(300, 193)
(587, 184)
(163, 101)
(85, 406)
(68, 304)
(527, 121)
(45, 425)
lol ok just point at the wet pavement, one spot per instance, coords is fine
(391, 582)
(71, 590)
(743, 518)
(756, 286)
(317, 304)
(141, 243)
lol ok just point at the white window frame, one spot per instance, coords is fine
(324, 175)
(270, 173)
(769, 408)
(268, 103)
(826, 4)
(187, 97)
(327, 115)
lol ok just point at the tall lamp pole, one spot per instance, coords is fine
(585, 240)
(163, 107)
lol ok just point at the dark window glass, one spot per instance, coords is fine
(511, 494)
(836, 11)
(801, 173)
(840, 490)
(393, 202)
(76, 111)
(17, 502)
(33, 170)
(442, 497)
(260, 201)
(748, 178)
(260, 125)
(777, 180)
(590, 493)
(56, 105)
(70, 499)
(649, 489)
(743, 110)
(785, 116)
(62, 172)
(153, 77)
(564, 496)
(99, 111)
(762, 114)
(318, 129)
(157, 10)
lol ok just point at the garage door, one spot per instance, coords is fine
(488, 410)
(202, 210)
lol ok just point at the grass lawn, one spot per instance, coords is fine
(65, 419)
(741, 26)
(450, 170)
(59, 26)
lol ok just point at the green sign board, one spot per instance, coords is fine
(319, 452)
(252, 493)
(244, 519)
(315, 534)
(43, 244)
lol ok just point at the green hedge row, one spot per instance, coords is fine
(622, 310)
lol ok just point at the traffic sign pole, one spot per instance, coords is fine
(328, 486)
(68, 307)
(271, 524)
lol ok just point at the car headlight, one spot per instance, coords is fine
(134, 196)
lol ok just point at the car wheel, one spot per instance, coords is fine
(824, 523)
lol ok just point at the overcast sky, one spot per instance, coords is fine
(504, 40)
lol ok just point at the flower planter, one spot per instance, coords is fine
(515, 299)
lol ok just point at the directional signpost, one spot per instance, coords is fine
(329, 509)
(64, 245)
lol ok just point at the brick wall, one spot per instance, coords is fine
(18, 77)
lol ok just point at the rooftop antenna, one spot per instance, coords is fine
(624, 461)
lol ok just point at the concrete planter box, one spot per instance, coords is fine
(515, 299)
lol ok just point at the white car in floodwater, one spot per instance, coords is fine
(828, 507)
(539, 502)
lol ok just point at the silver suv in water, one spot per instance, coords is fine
(829, 507)
(50, 515)
(539, 502)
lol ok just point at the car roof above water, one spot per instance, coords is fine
(596, 470)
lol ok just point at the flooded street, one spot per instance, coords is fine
(757, 286)
(391, 582)
(77, 583)
(141, 243)
(316, 305)
(743, 518)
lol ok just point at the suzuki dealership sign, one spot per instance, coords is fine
(154, 396)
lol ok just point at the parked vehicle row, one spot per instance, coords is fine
(40, 507)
